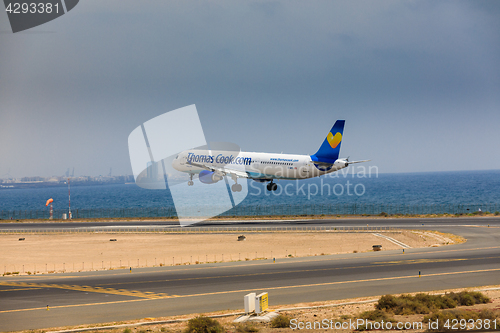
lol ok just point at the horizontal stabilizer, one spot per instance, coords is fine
(358, 161)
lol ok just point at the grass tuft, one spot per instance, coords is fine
(246, 328)
(376, 315)
(424, 303)
(280, 321)
(204, 324)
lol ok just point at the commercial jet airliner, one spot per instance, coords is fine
(211, 166)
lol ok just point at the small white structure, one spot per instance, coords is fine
(255, 309)
(249, 301)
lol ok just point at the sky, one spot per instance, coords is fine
(418, 82)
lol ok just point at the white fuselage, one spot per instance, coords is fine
(265, 166)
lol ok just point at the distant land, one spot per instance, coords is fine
(56, 181)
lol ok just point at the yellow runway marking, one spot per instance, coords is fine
(423, 261)
(121, 292)
(75, 305)
(263, 288)
(20, 289)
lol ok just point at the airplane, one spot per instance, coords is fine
(212, 166)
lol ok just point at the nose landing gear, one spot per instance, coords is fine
(190, 182)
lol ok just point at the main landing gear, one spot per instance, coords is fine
(272, 186)
(236, 187)
(190, 182)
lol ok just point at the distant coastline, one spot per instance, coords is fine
(39, 182)
(51, 185)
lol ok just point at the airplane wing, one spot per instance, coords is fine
(224, 171)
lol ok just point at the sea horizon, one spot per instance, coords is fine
(414, 188)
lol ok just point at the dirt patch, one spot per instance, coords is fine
(99, 251)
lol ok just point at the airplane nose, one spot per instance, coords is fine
(175, 164)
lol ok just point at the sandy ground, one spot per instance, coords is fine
(84, 252)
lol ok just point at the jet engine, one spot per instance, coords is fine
(210, 177)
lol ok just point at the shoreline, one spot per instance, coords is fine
(259, 218)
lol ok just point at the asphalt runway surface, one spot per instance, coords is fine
(117, 295)
(357, 222)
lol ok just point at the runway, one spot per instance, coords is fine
(356, 222)
(105, 296)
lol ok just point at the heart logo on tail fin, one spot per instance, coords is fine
(334, 140)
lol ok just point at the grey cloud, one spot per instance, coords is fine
(266, 75)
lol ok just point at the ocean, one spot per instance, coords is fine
(429, 188)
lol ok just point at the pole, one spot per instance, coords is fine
(69, 199)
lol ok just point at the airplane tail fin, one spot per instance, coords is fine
(330, 149)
